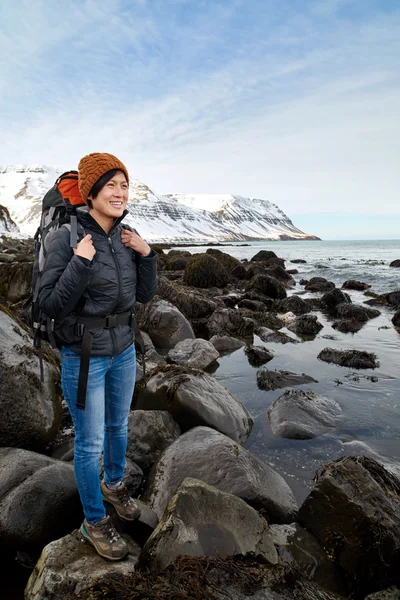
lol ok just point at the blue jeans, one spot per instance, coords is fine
(103, 425)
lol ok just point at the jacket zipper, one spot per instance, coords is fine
(112, 333)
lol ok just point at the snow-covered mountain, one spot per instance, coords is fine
(7, 225)
(172, 218)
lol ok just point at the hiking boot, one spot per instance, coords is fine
(105, 538)
(126, 508)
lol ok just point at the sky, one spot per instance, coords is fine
(293, 101)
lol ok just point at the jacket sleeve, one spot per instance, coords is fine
(64, 277)
(147, 284)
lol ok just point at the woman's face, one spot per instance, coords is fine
(112, 198)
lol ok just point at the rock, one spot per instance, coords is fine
(15, 280)
(239, 272)
(306, 325)
(295, 304)
(205, 271)
(252, 305)
(392, 593)
(30, 410)
(67, 566)
(356, 312)
(201, 520)
(396, 319)
(228, 321)
(225, 343)
(395, 263)
(177, 263)
(298, 261)
(354, 511)
(263, 255)
(273, 380)
(39, 500)
(191, 302)
(297, 547)
(353, 359)
(278, 337)
(287, 318)
(230, 300)
(267, 285)
(292, 271)
(194, 398)
(197, 353)
(302, 415)
(206, 454)
(319, 284)
(258, 355)
(334, 297)
(347, 326)
(303, 281)
(280, 274)
(164, 323)
(133, 475)
(149, 433)
(390, 299)
(352, 284)
(229, 262)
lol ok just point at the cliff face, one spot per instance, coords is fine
(7, 225)
(171, 218)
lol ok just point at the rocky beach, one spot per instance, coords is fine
(263, 439)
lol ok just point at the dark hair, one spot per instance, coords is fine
(101, 182)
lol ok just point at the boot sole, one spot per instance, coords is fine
(120, 516)
(87, 540)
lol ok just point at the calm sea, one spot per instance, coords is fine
(370, 423)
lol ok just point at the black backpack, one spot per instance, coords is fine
(59, 210)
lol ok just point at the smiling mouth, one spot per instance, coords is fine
(116, 204)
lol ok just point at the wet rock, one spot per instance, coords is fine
(356, 312)
(258, 355)
(67, 566)
(39, 500)
(307, 325)
(347, 326)
(191, 302)
(15, 280)
(396, 319)
(194, 398)
(205, 271)
(335, 297)
(298, 261)
(201, 520)
(287, 318)
(297, 547)
(164, 323)
(353, 284)
(263, 255)
(390, 299)
(30, 409)
(273, 380)
(280, 274)
(292, 271)
(228, 261)
(255, 305)
(278, 337)
(133, 475)
(354, 511)
(230, 300)
(353, 359)
(269, 303)
(149, 433)
(267, 285)
(319, 284)
(295, 304)
(197, 353)
(303, 281)
(225, 343)
(239, 272)
(302, 415)
(228, 321)
(392, 593)
(177, 263)
(206, 454)
(395, 263)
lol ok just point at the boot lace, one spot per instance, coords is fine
(110, 532)
(124, 496)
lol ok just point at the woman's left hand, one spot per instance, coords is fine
(135, 242)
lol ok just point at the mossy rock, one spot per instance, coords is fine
(267, 285)
(157, 249)
(229, 262)
(263, 255)
(177, 262)
(205, 271)
(179, 253)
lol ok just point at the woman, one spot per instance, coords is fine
(90, 291)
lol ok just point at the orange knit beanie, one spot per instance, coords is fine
(92, 166)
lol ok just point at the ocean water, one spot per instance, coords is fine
(370, 399)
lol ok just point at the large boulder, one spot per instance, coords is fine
(353, 359)
(30, 410)
(39, 500)
(206, 454)
(67, 567)
(164, 323)
(228, 321)
(197, 353)
(300, 415)
(265, 284)
(294, 304)
(15, 280)
(201, 520)
(354, 511)
(191, 302)
(194, 398)
(149, 433)
(353, 284)
(228, 261)
(278, 337)
(274, 380)
(263, 255)
(395, 263)
(357, 313)
(226, 343)
(205, 271)
(258, 355)
(319, 284)
(306, 325)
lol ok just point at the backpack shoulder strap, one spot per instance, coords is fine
(76, 231)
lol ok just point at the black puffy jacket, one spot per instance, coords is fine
(111, 283)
